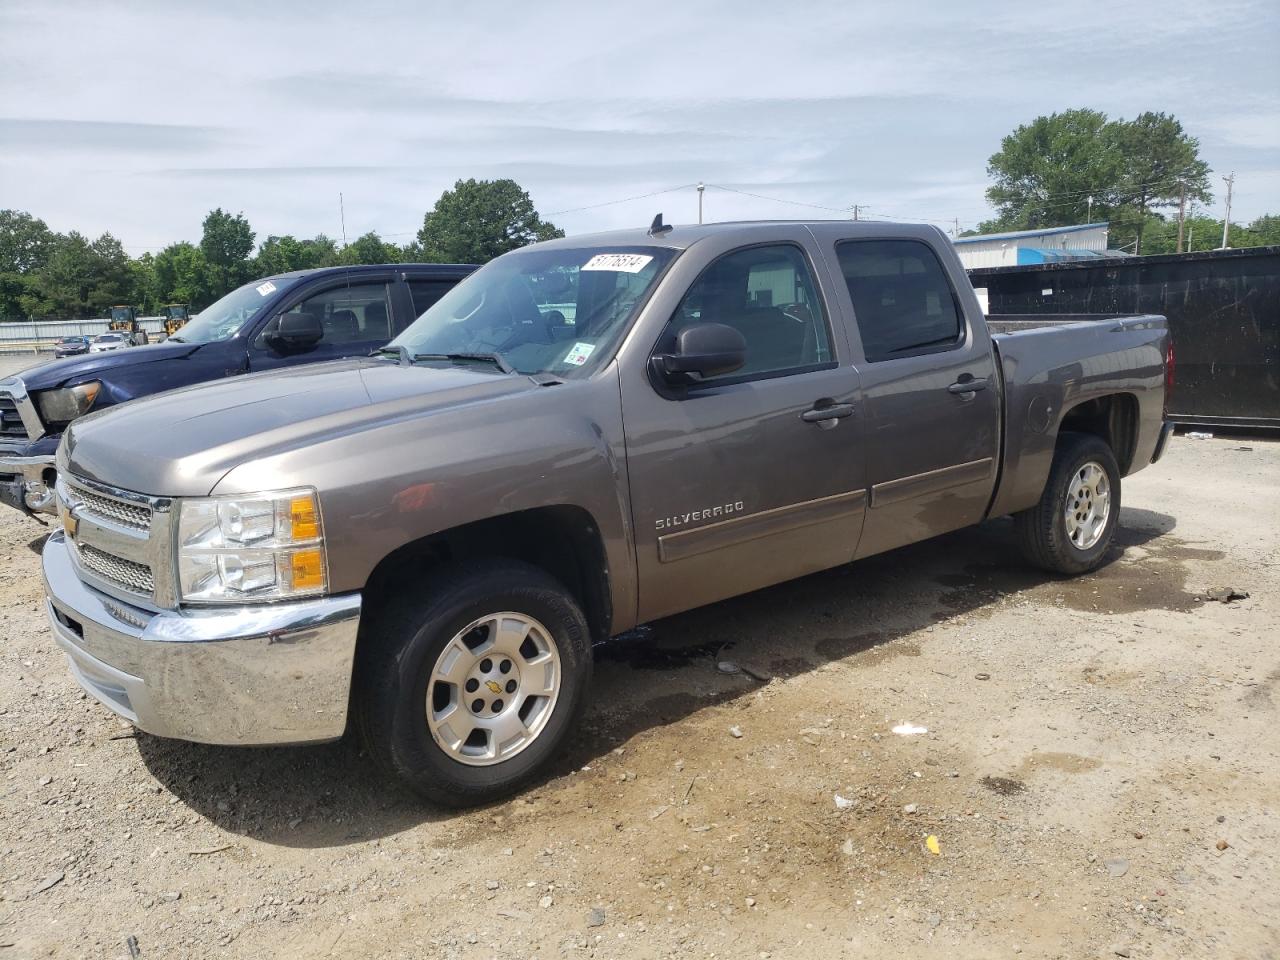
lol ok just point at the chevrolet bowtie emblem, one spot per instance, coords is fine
(493, 686)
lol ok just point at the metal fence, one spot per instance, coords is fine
(40, 336)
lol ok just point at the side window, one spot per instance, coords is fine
(902, 300)
(348, 314)
(426, 292)
(768, 294)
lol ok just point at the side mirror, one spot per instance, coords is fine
(294, 332)
(701, 351)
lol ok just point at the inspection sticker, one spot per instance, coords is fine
(618, 262)
(578, 355)
(265, 288)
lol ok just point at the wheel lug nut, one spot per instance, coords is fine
(505, 666)
(473, 685)
(497, 706)
(477, 706)
(511, 686)
(486, 665)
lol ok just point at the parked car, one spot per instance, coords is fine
(109, 341)
(584, 435)
(283, 321)
(70, 346)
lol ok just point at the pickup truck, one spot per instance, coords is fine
(327, 313)
(584, 435)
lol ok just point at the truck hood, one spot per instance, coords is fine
(183, 442)
(98, 366)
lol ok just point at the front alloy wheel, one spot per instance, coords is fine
(466, 687)
(493, 688)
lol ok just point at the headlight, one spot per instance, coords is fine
(268, 546)
(63, 406)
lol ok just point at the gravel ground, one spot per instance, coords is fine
(1099, 773)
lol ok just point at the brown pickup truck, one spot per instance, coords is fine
(584, 435)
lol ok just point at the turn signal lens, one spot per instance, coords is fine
(302, 518)
(307, 569)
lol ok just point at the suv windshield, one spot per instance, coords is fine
(555, 310)
(222, 320)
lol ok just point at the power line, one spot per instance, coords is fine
(610, 203)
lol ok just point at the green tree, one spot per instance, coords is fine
(83, 278)
(369, 248)
(1046, 171)
(26, 243)
(287, 253)
(183, 275)
(1161, 163)
(226, 242)
(481, 219)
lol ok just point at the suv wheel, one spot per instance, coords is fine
(1069, 530)
(465, 695)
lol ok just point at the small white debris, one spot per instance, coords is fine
(909, 729)
(844, 803)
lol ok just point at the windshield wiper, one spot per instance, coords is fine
(494, 358)
(176, 339)
(399, 351)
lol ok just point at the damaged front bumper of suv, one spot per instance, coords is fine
(256, 674)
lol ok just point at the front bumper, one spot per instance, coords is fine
(247, 675)
(24, 485)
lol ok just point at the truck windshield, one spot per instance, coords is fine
(223, 319)
(556, 310)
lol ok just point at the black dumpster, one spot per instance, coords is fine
(1223, 308)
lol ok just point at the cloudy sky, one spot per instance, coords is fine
(139, 117)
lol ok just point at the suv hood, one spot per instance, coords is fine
(183, 442)
(98, 366)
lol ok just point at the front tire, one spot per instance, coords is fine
(465, 695)
(1071, 527)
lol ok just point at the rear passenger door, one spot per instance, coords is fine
(930, 398)
(355, 318)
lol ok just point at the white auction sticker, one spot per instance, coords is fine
(578, 355)
(265, 288)
(618, 262)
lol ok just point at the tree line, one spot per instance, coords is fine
(1142, 175)
(49, 275)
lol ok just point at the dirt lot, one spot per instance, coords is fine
(1100, 772)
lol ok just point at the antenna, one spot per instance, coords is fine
(342, 215)
(658, 228)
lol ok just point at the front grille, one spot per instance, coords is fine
(93, 505)
(11, 424)
(134, 577)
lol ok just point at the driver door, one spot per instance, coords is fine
(355, 318)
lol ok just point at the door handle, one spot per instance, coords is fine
(972, 385)
(828, 413)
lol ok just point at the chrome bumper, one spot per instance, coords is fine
(27, 491)
(250, 675)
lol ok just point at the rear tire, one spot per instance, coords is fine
(1071, 527)
(466, 693)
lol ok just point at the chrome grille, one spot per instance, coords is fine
(134, 577)
(11, 424)
(131, 515)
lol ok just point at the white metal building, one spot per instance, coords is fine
(1034, 246)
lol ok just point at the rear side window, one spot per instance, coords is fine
(902, 300)
(426, 292)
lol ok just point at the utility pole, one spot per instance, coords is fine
(1088, 217)
(1182, 210)
(701, 186)
(956, 220)
(855, 211)
(1226, 221)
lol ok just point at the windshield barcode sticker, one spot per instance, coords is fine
(265, 288)
(618, 262)
(578, 355)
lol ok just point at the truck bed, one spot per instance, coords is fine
(1018, 322)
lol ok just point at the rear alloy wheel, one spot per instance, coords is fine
(467, 693)
(1071, 527)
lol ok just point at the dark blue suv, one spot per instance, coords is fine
(302, 317)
